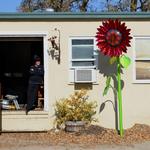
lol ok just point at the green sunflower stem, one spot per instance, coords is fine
(120, 98)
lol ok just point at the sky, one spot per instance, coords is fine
(9, 5)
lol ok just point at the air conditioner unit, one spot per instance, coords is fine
(85, 75)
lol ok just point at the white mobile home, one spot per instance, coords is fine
(72, 64)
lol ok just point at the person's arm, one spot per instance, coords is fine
(40, 70)
(32, 70)
(36, 70)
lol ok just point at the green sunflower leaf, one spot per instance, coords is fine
(112, 60)
(125, 61)
(108, 80)
(105, 90)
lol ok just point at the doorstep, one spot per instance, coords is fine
(22, 112)
(19, 121)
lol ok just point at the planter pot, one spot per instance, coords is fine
(74, 126)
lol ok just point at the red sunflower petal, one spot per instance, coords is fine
(108, 45)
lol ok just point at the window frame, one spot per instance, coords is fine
(79, 60)
(147, 81)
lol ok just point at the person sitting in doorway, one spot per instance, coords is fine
(35, 80)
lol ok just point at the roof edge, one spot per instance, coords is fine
(72, 15)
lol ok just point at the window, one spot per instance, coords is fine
(82, 53)
(83, 60)
(142, 59)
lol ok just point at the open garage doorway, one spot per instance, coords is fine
(16, 57)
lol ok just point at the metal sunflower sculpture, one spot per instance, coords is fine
(113, 38)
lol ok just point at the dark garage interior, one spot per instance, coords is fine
(16, 57)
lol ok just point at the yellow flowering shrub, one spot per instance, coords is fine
(75, 108)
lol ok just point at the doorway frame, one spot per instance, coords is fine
(43, 35)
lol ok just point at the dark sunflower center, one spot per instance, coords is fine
(113, 37)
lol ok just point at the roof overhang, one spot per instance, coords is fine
(59, 16)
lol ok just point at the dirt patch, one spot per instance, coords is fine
(92, 135)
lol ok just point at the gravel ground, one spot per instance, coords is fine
(94, 137)
(141, 146)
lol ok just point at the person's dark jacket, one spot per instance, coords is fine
(36, 73)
